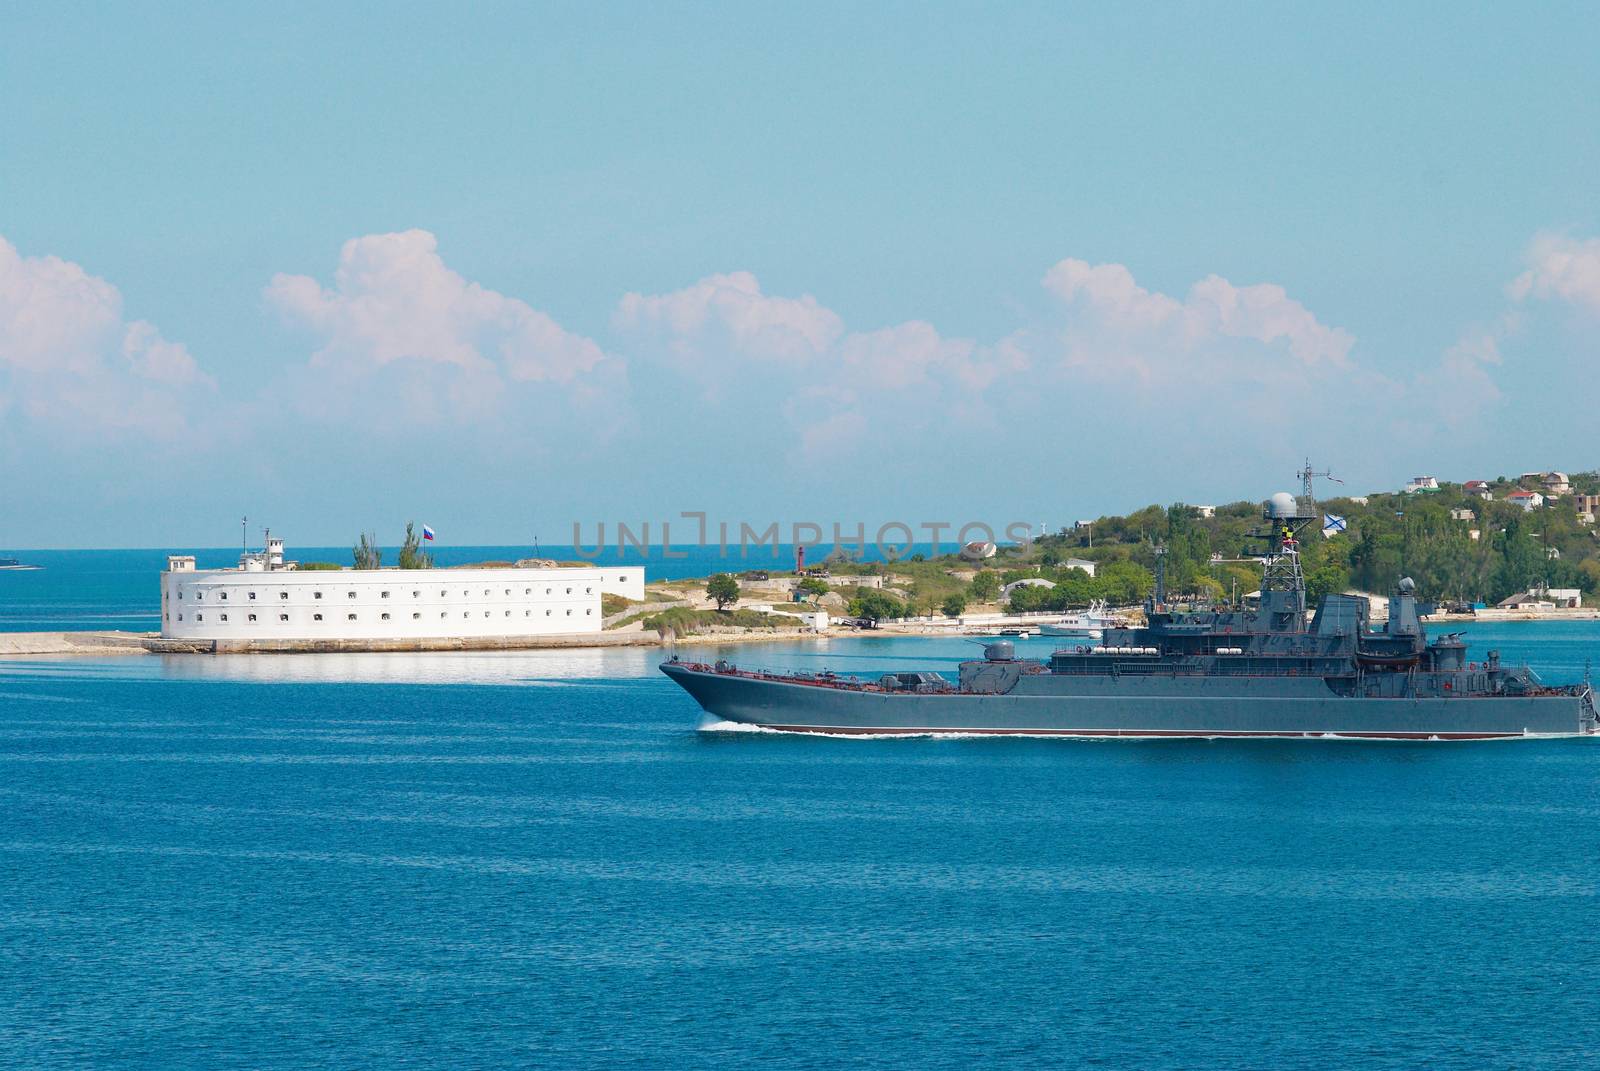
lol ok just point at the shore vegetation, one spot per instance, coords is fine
(412, 556)
(723, 589)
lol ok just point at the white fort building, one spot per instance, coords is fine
(266, 602)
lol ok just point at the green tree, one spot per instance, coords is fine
(723, 588)
(1028, 598)
(875, 606)
(954, 605)
(412, 556)
(367, 554)
(1124, 583)
(812, 585)
(1329, 578)
(985, 586)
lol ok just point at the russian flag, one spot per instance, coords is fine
(427, 533)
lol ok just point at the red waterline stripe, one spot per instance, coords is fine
(840, 730)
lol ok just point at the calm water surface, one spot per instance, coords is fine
(536, 860)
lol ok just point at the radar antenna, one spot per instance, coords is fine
(1283, 582)
(1308, 494)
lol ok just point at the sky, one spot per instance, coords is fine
(507, 268)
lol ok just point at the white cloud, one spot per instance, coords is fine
(68, 358)
(1462, 385)
(1116, 325)
(730, 311)
(394, 300)
(828, 422)
(1110, 291)
(905, 354)
(1563, 268)
(737, 341)
(728, 316)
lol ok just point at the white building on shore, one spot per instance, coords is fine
(267, 601)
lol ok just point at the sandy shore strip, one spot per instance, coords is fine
(26, 644)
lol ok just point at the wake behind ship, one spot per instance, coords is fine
(1256, 672)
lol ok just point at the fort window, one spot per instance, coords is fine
(199, 617)
(352, 594)
(222, 594)
(316, 594)
(252, 617)
(316, 617)
(349, 617)
(385, 617)
(283, 594)
(416, 594)
(252, 595)
(199, 594)
(180, 617)
(385, 595)
(416, 617)
(283, 617)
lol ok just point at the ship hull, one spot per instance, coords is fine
(1052, 705)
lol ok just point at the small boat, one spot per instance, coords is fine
(15, 566)
(1017, 633)
(1091, 622)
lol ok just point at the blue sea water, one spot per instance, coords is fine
(537, 859)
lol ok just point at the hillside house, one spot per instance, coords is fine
(1527, 600)
(1528, 500)
(1478, 489)
(1544, 599)
(1554, 484)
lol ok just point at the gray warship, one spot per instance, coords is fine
(1255, 671)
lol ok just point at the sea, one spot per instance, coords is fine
(548, 859)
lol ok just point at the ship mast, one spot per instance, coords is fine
(1283, 582)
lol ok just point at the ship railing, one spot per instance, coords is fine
(815, 680)
(1235, 666)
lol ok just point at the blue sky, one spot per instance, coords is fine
(508, 267)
